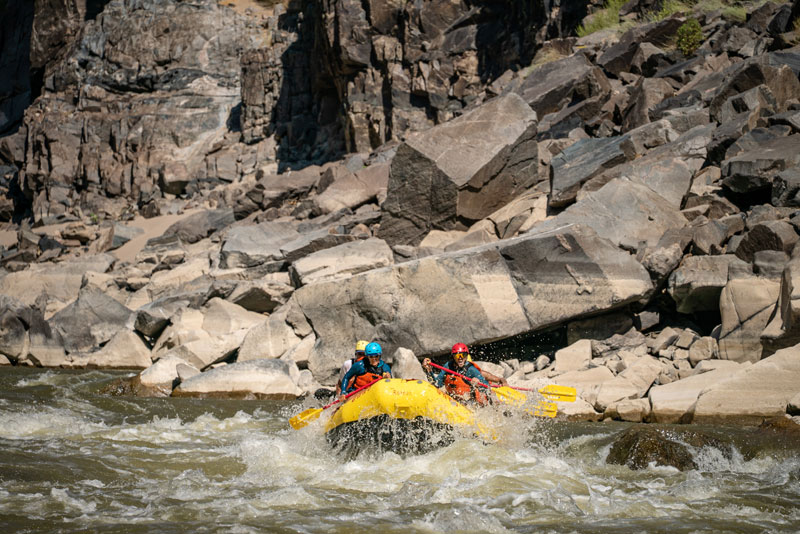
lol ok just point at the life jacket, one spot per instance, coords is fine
(459, 388)
(366, 379)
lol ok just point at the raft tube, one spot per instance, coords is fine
(404, 416)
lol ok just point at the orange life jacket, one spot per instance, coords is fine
(363, 380)
(460, 388)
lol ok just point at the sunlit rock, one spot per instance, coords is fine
(630, 215)
(632, 383)
(341, 261)
(745, 305)
(125, 350)
(61, 282)
(674, 403)
(763, 389)
(282, 331)
(632, 410)
(406, 365)
(476, 295)
(574, 357)
(91, 321)
(256, 379)
(461, 170)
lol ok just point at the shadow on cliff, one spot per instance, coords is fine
(306, 118)
(509, 33)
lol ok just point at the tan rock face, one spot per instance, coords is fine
(478, 294)
(761, 390)
(745, 306)
(257, 379)
(674, 403)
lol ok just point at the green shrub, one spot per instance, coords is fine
(689, 37)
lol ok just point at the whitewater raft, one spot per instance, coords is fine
(404, 416)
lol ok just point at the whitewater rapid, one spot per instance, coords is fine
(73, 460)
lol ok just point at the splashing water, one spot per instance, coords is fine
(75, 461)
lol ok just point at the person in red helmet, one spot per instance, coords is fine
(465, 389)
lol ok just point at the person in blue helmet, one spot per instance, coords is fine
(366, 371)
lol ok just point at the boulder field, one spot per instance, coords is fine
(225, 200)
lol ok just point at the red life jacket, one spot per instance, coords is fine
(461, 389)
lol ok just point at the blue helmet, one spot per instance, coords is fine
(373, 349)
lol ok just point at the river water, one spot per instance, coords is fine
(72, 460)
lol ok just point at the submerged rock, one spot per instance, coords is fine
(640, 446)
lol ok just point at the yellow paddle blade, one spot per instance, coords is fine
(559, 393)
(510, 396)
(545, 409)
(303, 418)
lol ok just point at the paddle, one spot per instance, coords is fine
(552, 391)
(303, 418)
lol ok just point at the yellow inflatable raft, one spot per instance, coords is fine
(405, 416)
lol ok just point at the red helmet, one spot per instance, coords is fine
(459, 347)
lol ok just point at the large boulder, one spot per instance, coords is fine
(783, 330)
(61, 282)
(697, 283)
(354, 189)
(557, 84)
(761, 390)
(341, 261)
(160, 379)
(746, 305)
(125, 350)
(629, 214)
(201, 225)
(754, 168)
(91, 321)
(579, 162)
(206, 336)
(674, 402)
(276, 336)
(248, 246)
(460, 171)
(257, 379)
(26, 338)
(475, 295)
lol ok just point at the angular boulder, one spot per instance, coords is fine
(248, 246)
(746, 305)
(697, 283)
(91, 321)
(627, 213)
(674, 402)
(460, 171)
(475, 295)
(257, 379)
(341, 261)
(555, 85)
(761, 390)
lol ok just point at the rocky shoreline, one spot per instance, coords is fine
(227, 199)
